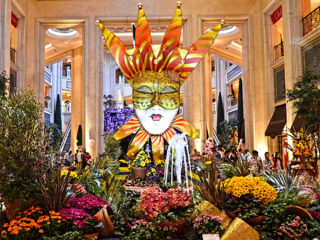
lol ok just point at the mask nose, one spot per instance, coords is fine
(156, 99)
(156, 108)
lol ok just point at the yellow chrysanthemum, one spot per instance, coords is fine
(239, 186)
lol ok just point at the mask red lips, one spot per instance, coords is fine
(156, 117)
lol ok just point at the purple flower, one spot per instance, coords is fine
(73, 213)
(115, 118)
(315, 214)
(88, 201)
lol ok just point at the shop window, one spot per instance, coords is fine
(13, 82)
(279, 83)
(277, 33)
(232, 93)
(311, 15)
(312, 58)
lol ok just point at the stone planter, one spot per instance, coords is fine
(210, 237)
(140, 172)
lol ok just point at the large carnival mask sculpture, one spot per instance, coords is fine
(156, 76)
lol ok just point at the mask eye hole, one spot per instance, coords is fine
(168, 89)
(144, 89)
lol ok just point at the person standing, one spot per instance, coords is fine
(243, 154)
(70, 158)
(233, 157)
(277, 164)
(255, 161)
(267, 162)
(83, 159)
(76, 157)
(79, 157)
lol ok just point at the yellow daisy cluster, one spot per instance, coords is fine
(239, 186)
(142, 159)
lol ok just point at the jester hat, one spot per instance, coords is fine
(169, 65)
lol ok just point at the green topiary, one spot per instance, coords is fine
(3, 84)
(112, 149)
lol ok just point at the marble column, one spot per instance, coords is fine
(5, 23)
(76, 97)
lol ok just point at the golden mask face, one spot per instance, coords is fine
(156, 88)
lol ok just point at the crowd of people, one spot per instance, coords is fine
(80, 159)
(233, 155)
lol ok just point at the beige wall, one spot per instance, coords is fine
(196, 105)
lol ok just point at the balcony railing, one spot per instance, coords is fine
(278, 51)
(13, 55)
(311, 21)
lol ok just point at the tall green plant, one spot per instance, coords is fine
(54, 135)
(305, 96)
(229, 133)
(57, 113)
(3, 84)
(22, 137)
(211, 187)
(112, 149)
(241, 129)
(220, 114)
(56, 188)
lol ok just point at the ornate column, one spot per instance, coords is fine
(77, 95)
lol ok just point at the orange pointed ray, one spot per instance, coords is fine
(183, 126)
(128, 128)
(138, 142)
(117, 50)
(197, 51)
(143, 34)
(169, 133)
(157, 147)
(171, 38)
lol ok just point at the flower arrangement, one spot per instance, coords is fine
(155, 171)
(141, 160)
(88, 203)
(248, 196)
(80, 189)
(73, 174)
(260, 190)
(208, 224)
(295, 229)
(155, 202)
(73, 213)
(33, 224)
(302, 147)
(80, 219)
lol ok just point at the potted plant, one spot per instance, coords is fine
(139, 165)
(247, 198)
(208, 226)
